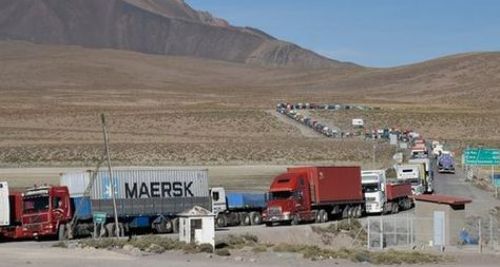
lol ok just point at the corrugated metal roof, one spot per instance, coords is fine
(443, 199)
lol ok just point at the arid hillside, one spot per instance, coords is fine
(167, 27)
(180, 110)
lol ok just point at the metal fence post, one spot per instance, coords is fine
(381, 233)
(480, 238)
(490, 242)
(368, 233)
(407, 230)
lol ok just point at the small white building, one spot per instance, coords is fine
(197, 225)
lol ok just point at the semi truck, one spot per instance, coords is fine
(383, 195)
(446, 164)
(413, 174)
(146, 200)
(428, 173)
(314, 194)
(237, 208)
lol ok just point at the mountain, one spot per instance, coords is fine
(167, 27)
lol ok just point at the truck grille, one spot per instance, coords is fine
(370, 199)
(274, 211)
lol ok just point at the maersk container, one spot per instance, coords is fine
(142, 191)
(246, 200)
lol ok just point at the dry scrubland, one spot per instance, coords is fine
(185, 111)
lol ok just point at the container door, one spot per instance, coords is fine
(439, 231)
(4, 204)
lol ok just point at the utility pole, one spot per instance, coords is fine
(111, 179)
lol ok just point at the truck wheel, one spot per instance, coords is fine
(295, 220)
(359, 212)
(61, 232)
(245, 219)
(221, 221)
(344, 213)
(317, 217)
(324, 216)
(255, 218)
(396, 208)
(168, 226)
(269, 224)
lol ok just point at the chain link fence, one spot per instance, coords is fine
(409, 231)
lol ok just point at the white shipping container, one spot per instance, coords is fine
(140, 183)
(76, 182)
(4, 204)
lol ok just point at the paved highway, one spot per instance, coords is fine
(455, 184)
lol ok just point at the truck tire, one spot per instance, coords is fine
(324, 216)
(245, 219)
(221, 221)
(61, 232)
(345, 212)
(359, 211)
(269, 224)
(111, 230)
(317, 217)
(295, 220)
(255, 218)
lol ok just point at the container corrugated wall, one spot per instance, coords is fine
(76, 182)
(151, 183)
(146, 191)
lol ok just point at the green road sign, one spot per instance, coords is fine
(482, 156)
(99, 217)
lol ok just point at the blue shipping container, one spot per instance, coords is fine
(243, 200)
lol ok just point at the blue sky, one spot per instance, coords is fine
(378, 33)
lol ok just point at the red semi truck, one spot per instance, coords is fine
(314, 194)
(37, 212)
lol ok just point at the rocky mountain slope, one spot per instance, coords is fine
(168, 27)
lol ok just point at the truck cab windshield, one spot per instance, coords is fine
(280, 195)
(35, 204)
(370, 188)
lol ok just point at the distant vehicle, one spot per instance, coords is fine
(358, 122)
(418, 150)
(414, 174)
(383, 196)
(446, 163)
(437, 150)
(428, 172)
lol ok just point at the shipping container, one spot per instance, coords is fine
(397, 190)
(333, 184)
(244, 200)
(142, 191)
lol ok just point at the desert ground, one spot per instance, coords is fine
(182, 111)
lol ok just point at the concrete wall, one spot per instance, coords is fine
(205, 235)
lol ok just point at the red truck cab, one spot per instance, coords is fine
(46, 210)
(289, 199)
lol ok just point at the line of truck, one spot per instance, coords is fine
(149, 199)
